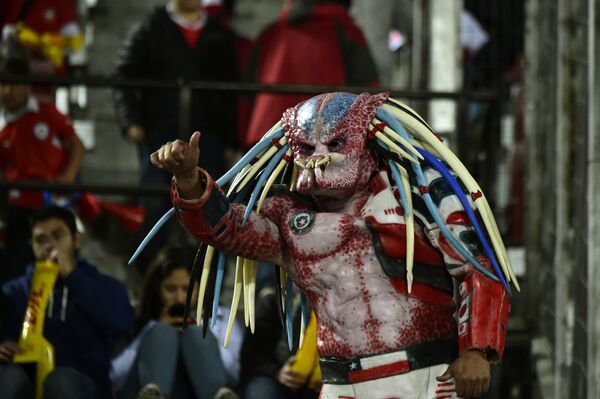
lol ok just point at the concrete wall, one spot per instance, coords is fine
(593, 204)
(562, 191)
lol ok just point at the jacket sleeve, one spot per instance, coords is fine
(130, 64)
(221, 105)
(212, 219)
(13, 302)
(104, 299)
(484, 303)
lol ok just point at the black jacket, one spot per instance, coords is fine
(156, 49)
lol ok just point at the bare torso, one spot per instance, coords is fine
(360, 311)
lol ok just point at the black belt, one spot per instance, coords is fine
(339, 371)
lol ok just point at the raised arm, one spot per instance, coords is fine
(206, 213)
(181, 159)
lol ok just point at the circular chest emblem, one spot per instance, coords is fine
(301, 222)
(41, 130)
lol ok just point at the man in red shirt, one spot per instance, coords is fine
(37, 143)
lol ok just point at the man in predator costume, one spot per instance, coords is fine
(370, 236)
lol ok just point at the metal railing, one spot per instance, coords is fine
(98, 81)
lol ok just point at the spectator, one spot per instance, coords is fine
(176, 42)
(165, 358)
(50, 30)
(266, 358)
(57, 19)
(87, 313)
(314, 44)
(37, 143)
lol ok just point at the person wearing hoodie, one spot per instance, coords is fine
(87, 314)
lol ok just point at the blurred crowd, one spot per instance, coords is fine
(105, 343)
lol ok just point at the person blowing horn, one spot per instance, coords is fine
(86, 313)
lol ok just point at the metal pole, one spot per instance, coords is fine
(237, 87)
(445, 68)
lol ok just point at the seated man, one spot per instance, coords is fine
(86, 313)
(38, 143)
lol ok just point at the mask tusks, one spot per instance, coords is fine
(323, 162)
(313, 163)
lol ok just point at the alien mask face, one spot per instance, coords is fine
(327, 135)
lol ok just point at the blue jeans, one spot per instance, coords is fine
(182, 364)
(63, 382)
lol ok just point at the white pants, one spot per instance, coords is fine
(417, 384)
